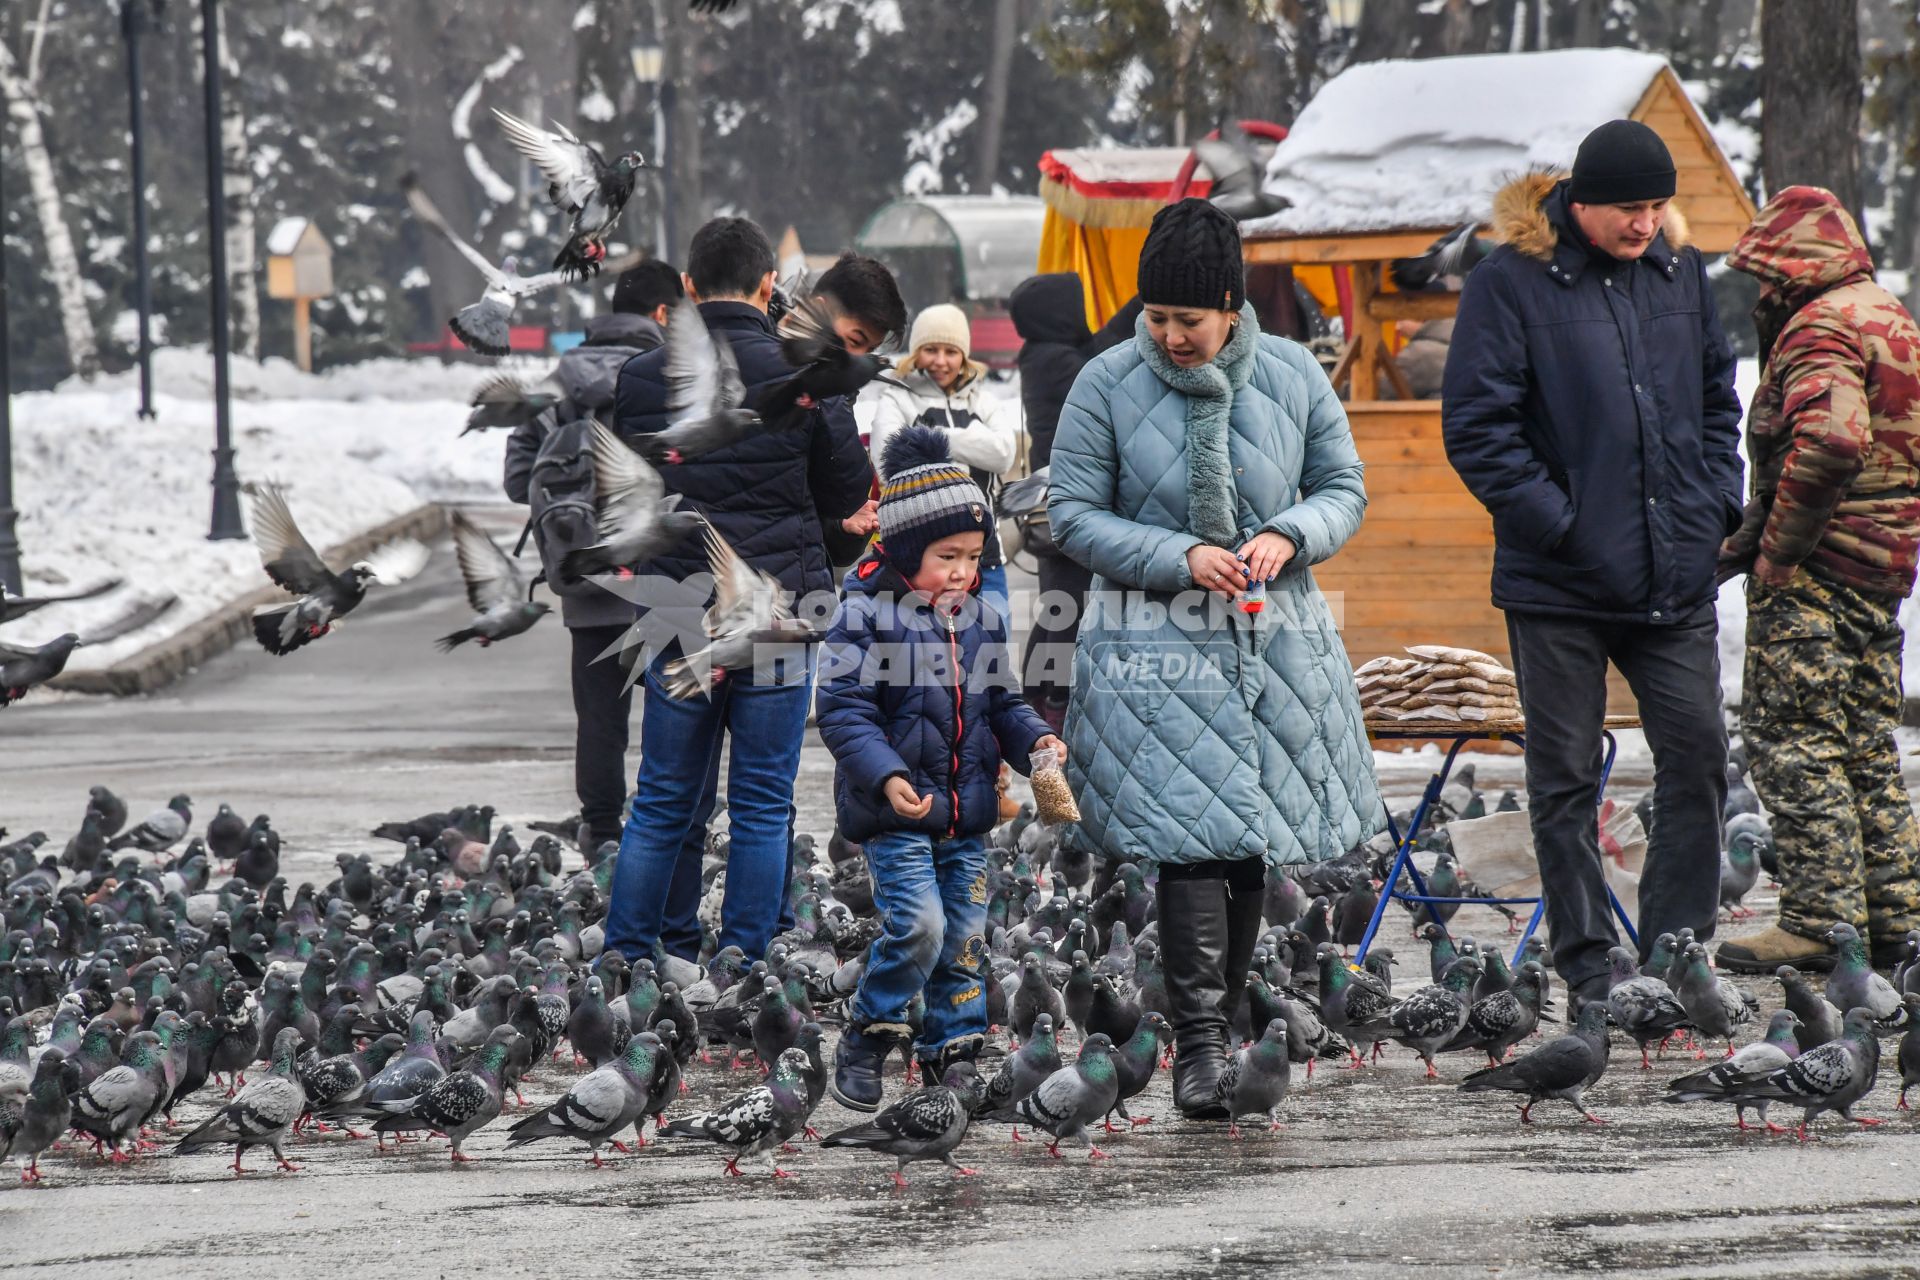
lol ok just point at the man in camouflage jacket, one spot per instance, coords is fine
(1828, 541)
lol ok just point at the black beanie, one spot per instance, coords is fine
(1192, 258)
(1619, 163)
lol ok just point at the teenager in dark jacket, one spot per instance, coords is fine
(595, 618)
(767, 496)
(1589, 405)
(1049, 313)
(918, 705)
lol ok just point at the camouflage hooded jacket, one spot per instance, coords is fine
(1833, 437)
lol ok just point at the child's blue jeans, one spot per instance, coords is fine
(932, 896)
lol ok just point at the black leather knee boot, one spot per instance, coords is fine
(1193, 949)
(1246, 898)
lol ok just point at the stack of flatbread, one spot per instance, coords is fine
(1438, 682)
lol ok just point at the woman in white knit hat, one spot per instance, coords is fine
(945, 388)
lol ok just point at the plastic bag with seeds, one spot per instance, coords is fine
(1052, 797)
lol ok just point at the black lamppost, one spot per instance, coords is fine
(9, 541)
(134, 22)
(226, 485)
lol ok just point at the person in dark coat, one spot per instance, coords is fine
(1589, 405)
(1050, 314)
(918, 705)
(767, 496)
(595, 618)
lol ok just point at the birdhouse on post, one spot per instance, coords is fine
(300, 267)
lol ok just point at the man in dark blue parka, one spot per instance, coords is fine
(1589, 405)
(771, 496)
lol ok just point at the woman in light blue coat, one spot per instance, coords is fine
(1192, 466)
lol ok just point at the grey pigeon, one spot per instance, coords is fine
(1564, 1067)
(1910, 1049)
(410, 1073)
(1500, 1021)
(581, 183)
(486, 325)
(1819, 1021)
(1715, 1007)
(1135, 1059)
(1659, 962)
(262, 1114)
(925, 1125)
(1739, 871)
(1074, 1097)
(1255, 1079)
(1854, 985)
(324, 597)
(592, 1027)
(506, 402)
(1034, 996)
(117, 1102)
(705, 395)
(34, 1122)
(335, 1085)
(496, 589)
(14, 606)
(1645, 1008)
(161, 829)
(1829, 1077)
(1775, 1050)
(111, 808)
(601, 1103)
(1037, 1058)
(460, 1103)
(754, 1123)
(1351, 1008)
(635, 517)
(226, 834)
(1432, 1016)
(750, 608)
(21, 668)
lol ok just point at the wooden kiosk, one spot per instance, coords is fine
(1448, 132)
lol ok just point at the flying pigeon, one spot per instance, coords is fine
(601, 1103)
(581, 184)
(636, 519)
(1255, 1079)
(35, 1121)
(1775, 1050)
(705, 396)
(824, 367)
(1854, 985)
(1829, 1077)
(750, 608)
(161, 829)
(325, 596)
(495, 588)
(1564, 1067)
(1237, 163)
(757, 1121)
(1074, 1097)
(1444, 265)
(925, 1125)
(505, 401)
(12, 606)
(23, 667)
(483, 325)
(263, 1113)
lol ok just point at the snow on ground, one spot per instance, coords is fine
(103, 494)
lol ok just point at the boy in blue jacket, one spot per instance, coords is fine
(919, 701)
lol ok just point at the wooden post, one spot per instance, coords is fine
(1365, 331)
(303, 334)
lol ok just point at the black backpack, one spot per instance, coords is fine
(561, 494)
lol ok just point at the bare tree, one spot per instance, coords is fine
(1810, 84)
(24, 105)
(993, 121)
(236, 182)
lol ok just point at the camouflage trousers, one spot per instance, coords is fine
(1821, 702)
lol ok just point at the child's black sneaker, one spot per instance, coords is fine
(857, 1064)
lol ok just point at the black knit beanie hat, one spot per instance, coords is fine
(1619, 163)
(1192, 258)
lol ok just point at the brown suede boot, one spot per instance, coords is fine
(1767, 950)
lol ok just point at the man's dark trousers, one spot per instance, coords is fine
(1674, 672)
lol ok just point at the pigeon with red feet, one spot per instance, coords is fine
(1564, 1067)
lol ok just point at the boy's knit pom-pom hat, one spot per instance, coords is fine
(925, 496)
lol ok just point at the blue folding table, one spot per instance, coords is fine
(1461, 732)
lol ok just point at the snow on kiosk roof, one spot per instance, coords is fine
(1421, 146)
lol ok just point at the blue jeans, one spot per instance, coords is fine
(656, 884)
(993, 588)
(932, 897)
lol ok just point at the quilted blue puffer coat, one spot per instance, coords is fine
(1197, 735)
(890, 705)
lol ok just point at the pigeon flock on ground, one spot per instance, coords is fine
(144, 966)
